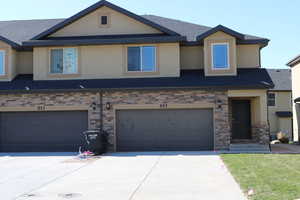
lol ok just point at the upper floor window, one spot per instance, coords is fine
(2, 62)
(220, 56)
(141, 59)
(271, 99)
(104, 20)
(64, 61)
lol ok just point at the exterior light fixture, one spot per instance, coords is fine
(219, 102)
(93, 105)
(108, 106)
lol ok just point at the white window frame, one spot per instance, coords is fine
(77, 70)
(141, 59)
(4, 57)
(212, 56)
(274, 99)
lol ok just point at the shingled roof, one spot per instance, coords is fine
(255, 78)
(190, 30)
(281, 79)
(19, 31)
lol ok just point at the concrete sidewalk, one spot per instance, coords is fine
(125, 176)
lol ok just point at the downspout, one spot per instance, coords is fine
(101, 110)
(259, 57)
(268, 120)
(293, 104)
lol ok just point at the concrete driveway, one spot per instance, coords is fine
(124, 176)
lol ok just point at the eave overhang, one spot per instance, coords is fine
(74, 42)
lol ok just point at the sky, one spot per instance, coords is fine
(277, 20)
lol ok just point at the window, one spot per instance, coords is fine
(220, 57)
(2, 62)
(141, 59)
(104, 20)
(64, 61)
(271, 99)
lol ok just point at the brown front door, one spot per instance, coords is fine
(241, 119)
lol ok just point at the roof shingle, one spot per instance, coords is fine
(255, 78)
(20, 31)
(281, 79)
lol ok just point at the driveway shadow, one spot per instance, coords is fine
(39, 154)
(162, 153)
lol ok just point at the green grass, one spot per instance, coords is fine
(272, 177)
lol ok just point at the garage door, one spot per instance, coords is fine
(42, 131)
(165, 130)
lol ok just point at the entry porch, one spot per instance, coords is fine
(247, 111)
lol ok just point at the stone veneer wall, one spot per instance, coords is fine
(218, 98)
(261, 133)
(70, 99)
(73, 99)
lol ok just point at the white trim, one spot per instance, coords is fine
(4, 57)
(141, 59)
(212, 55)
(77, 70)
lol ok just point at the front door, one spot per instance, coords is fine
(241, 119)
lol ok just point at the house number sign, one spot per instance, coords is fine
(41, 108)
(164, 105)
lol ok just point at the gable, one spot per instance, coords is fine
(219, 36)
(119, 23)
(222, 29)
(5, 42)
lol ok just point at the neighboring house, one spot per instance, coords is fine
(295, 67)
(280, 102)
(151, 83)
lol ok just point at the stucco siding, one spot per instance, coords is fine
(118, 24)
(109, 61)
(220, 37)
(283, 103)
(191, 57)
(25, 62)
(13, 63)
(296, 94)
(248, 56)
(40, 63)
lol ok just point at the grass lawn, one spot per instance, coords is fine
(272, 177)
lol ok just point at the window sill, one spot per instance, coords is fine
(64, 75)
(221, 69)
(141, 73)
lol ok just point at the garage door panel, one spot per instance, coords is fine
(150, 130)
(42, 131)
